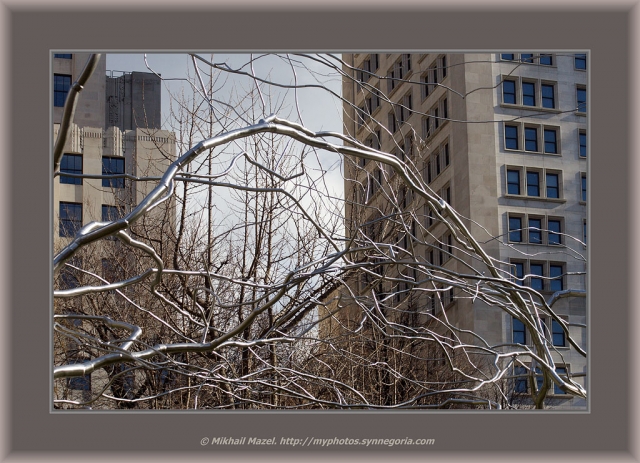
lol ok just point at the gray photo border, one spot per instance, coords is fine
(29, 30)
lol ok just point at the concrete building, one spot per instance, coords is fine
(116, 131)
(502, 137)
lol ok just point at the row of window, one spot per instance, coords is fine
(538, 275)
(538, 229)
(538, 94)
(521, 383)
(545, 59)
(534, 182)
(71, 217)
(437, 162)
(72, 164)
(398, 71)
(437, 117)
(435, 74)
(538, 138)
(555, 336)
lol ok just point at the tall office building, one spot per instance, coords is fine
(502, 138)
(116, 131)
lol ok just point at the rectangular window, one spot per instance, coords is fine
(515, 229)
(528, 94)
(112, 166)
(517, 270)
(520, 383)
(511, 137)
(110, 213)
(533, 183)
(557, 334)
(526, 57)
(550, 141)
(536, 271)
(509, 92)
(507, 56)
(583, 179)
(513, 182)
(581, 98)
(548, 96)
(437, 163)
(445, 153)
(535, 231)
(583, 143)
(71, 164)
(70, 219)
(443, 65)
(530, 139)
(555, 230)
(61, 86)
(426, 127)
(393, 125)
(546, 60)
(555, 273)
(580, 61)
(553, 186)
(427, 170)
(519, 332)
(561, 371)
(63, 55)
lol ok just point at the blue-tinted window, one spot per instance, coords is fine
(526, 57)
(553, 186)
(515, 229)
(63, 55)
(583, 144)
(550, 141)
(555, 229)
(517, 270)
(536, 272)
(546, 60)
(539, 378)
(548, 96)
(555, 273)
(520, 384)
(110, 213)
(557, 334)
(530, 139)
(561, 371)
(581, 95)
(519, 332)
(511, 137)
(580, 61)
(507, 56)
(528, 94)
(535, 233)
(112, 166)
(509, 92)
(70, 218)
(513, 182)
(533, 184)
(71, 164)
(584, 188)
(61, 86)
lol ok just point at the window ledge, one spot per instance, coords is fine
(530, 108)
(510, 150)
(580, 113)
(536, 198)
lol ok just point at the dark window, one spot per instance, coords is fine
(537, 283)
(530, 139)
(61, 85)
(526, 57)
(507, 56)
(447, 159)
(528, 94)
(557, 334)
(520, 384)
(110, 213)
(550, 141)
(584, 187)
(437, 162)
(444, 66)
(553, 186)
(393, 125)
(580, 61)
(581, 96)
(511, 137)
(70, 219)
(513, 182)
(517, 270)
(80, 383)
(533, 184)
(555, 272)
(546, 60)
(519, 332)
(63, 55)
(71, 164)
(509, 91)
(561, 371)
(112, 166)
(535, 233)
(583, 144)
(548, 96)
(515, 229)
(428, 170)
(555, 229)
